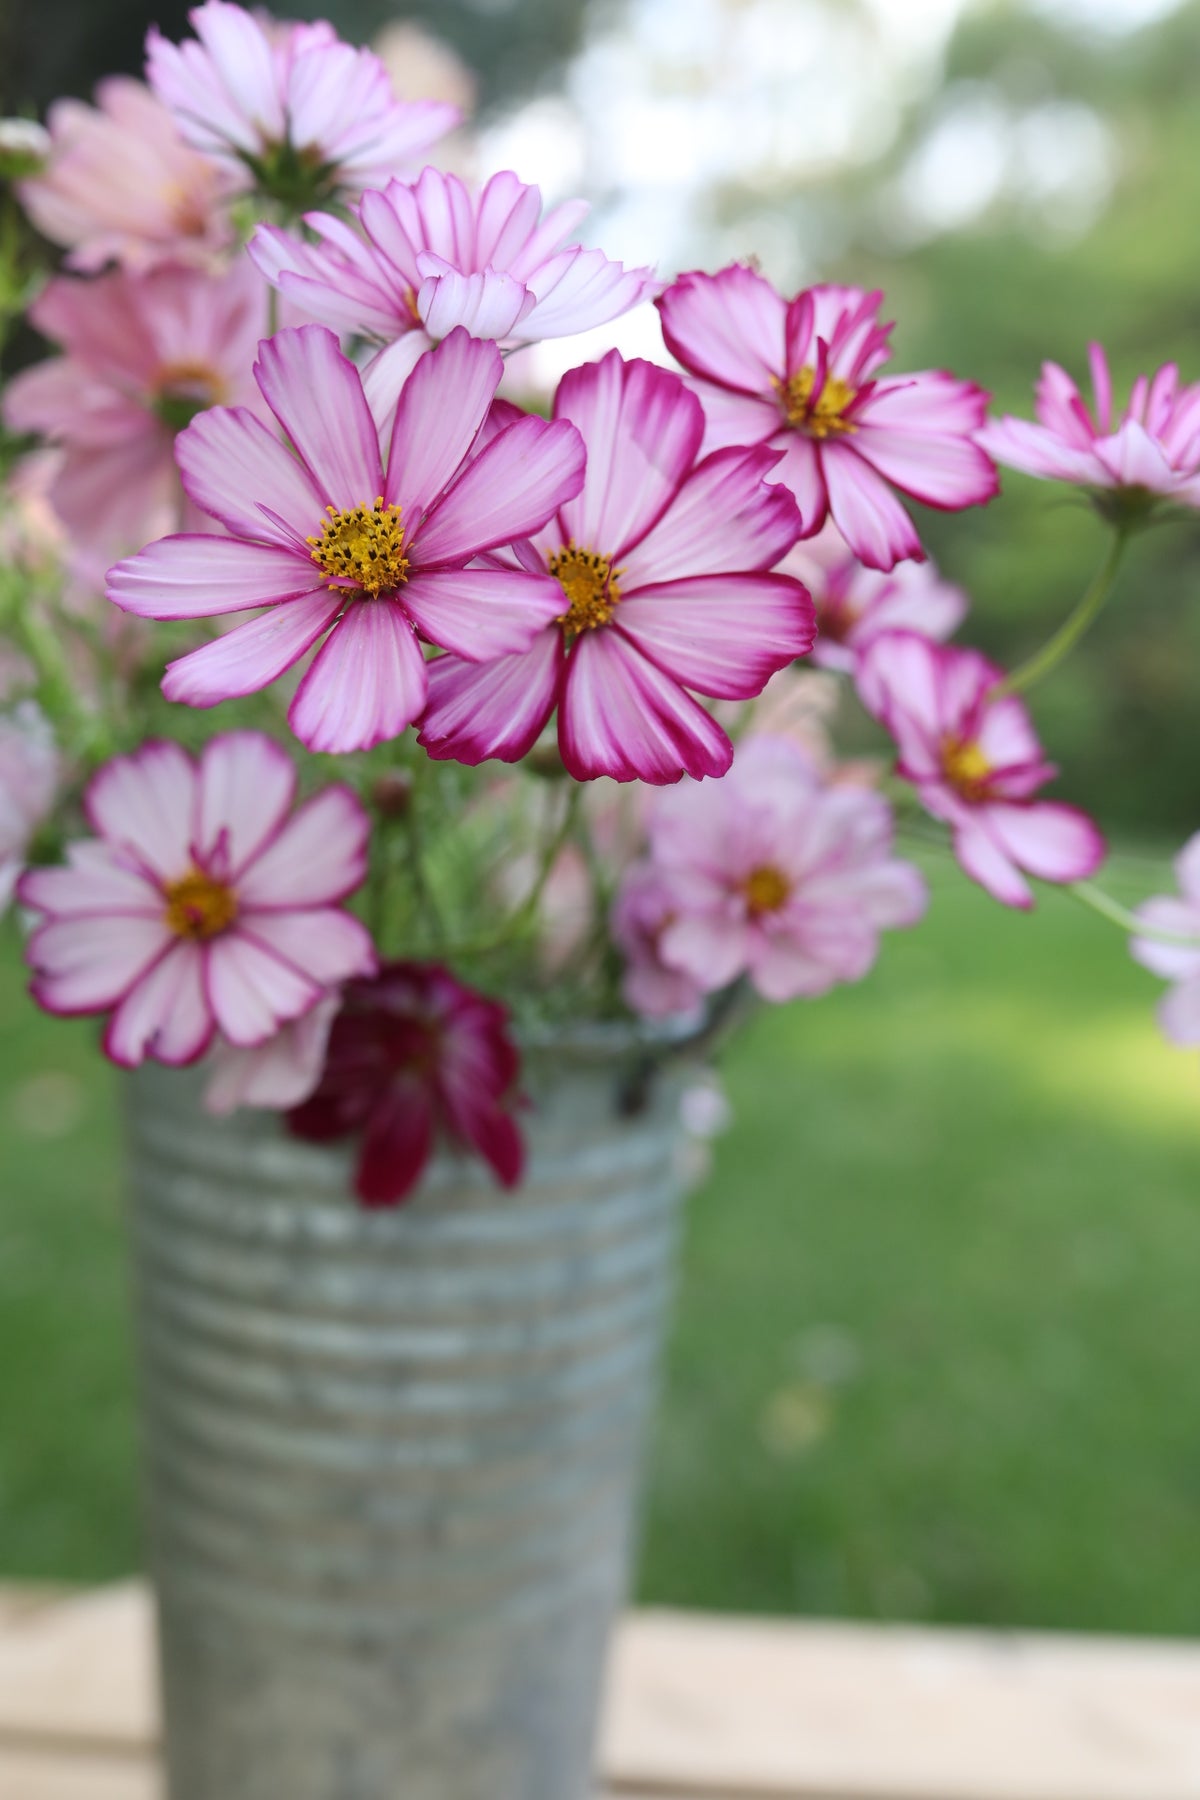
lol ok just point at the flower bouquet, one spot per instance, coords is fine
(518, 797)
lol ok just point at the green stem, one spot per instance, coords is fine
(1116, 914)
(1073, 627)
(87, 735)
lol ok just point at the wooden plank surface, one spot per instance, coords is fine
(700, 1709)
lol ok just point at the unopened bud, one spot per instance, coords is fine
(24, 148)
(544, 760)
(391, 794)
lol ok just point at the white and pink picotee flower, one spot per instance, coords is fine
(120, 185)
(854, 603)
(771, 874)
(663, 567)
(289, 108)
(975, 761)
(143, 354)
(339, 548)
(1151, 448)
(432, 255)
(29, 776)
(803, 377)
(1178, 963)
(205, 904)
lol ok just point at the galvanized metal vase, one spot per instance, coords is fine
(392, 1458)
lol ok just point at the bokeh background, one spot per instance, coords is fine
(937, 1352)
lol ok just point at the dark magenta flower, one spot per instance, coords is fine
(414, 1054)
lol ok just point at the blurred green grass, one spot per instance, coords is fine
(936, 1349)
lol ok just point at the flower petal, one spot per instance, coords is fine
(726, 515)
(366, 684)
(508, 491)
(251, 992)
(199, 577)
(984, 859)
(233, 467)
(246, 788)
(316, 394)
(865, 510)
(95, 880)
(723, 635)
(496, 709)
(319, 856)
(165, 1015)
(323, 942)
(935, 468)
(146, 803)
(86, 965)
(728, 327)
(253, 655)
(441, 406)
(1053, 841)
(620, 716)
(643, 429)
(487, 303)
(396, 1145)
(481, 614)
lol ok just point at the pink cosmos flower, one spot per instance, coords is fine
(662, 565)
(773, 874)
(1179, 1010)
(802, 376)
(433, 256)
(414, 1054)
(648, 902)
(289, 109)
(29, 775)
(203, 904)
(975, 761)
(144, 353)
(854, 604)
(1153, 447)
(121, 185)
(337, 548)
(274, 1075)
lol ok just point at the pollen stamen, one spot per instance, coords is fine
(198, 907)
(966, 767)
(765, 891)
(363, 546)
(820, 418)
(590, 583)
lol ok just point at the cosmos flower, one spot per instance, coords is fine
(662, 565)
(336, 548)
(414, 1055)
(1152, 448)
(803, 376)
(773, 874)
(203, 904)
(854, 604)
(432, 255)
(289, 108)
(646, 904)
(29, 774)
(975, 762)
(1179, 1010)
(120, 185)
(142, 355)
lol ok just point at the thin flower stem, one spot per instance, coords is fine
(1119, 915)
(1073, 627)
(425, 896)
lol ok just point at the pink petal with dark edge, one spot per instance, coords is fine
(316, 394)
(508, 491)
(620, 716)
(318, 857)
(366, 685)
(201, 577)
(166, 1015)
(723, 635)
(499, 709)
(253, 655)
(481, 614)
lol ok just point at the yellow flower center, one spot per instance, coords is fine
(765, 891)
(198, 906)
(966, 767)
(825, 416)
(590, 583)
(364, 546)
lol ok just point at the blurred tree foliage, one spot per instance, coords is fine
(50, 47)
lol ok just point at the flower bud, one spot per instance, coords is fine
(24, 148)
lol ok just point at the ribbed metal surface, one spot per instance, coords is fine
(392, 1458)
